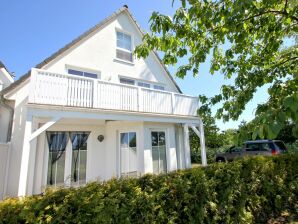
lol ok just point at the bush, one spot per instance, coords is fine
(251, 190)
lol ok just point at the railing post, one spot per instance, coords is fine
(32, 86)
(139, 99)
(173, 103)
(95, 93)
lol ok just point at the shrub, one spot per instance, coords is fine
(250, 190)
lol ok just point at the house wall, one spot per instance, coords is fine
(20, 113)
(98, 53)
(103, 158)
(4, 123)
(5, 78)
(4, 156)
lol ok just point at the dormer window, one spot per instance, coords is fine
(124, 47)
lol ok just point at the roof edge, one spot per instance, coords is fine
(77, 40)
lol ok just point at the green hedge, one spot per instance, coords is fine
(251, 190)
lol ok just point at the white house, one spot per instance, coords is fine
(92, 111)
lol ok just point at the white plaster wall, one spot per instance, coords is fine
(170, 143)
(98, 53)
(17, 138)
(4, 122)
(4, 150)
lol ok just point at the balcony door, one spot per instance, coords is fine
(128, 154)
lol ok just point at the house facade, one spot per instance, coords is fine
(92, 111)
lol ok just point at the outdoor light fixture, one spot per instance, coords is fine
(100, 138)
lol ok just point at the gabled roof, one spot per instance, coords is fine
(77, 40)
(3, 66)
(4, 71)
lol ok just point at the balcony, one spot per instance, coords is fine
(50, 88)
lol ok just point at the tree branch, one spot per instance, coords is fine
(259, 14)
(285, 61)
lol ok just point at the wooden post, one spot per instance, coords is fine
(23, 181)
(173, 103)
(186, 146)
(202, 142)
(140, 99)
(95, 93)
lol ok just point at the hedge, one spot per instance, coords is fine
(251, 190)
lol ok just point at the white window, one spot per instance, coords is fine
(159, 157)
(128, 154)
(57, 144)
(82, 73)
(158, 87)
(79, 157)
(127, 81)
(144, 84)
(124, 46)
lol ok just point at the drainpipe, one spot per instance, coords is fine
(11, 112)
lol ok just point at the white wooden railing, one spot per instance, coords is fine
(69, 90)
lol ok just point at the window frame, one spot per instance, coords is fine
(83, 70)
(67, 162)
(128, 79)
(123, 49)
(119, 152)
(146, 83)
(131, 41)
(158, 87)
(137, 81)
(166, 148)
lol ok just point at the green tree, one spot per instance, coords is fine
(245, 40)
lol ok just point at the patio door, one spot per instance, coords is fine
(159, 151)
(128, 154)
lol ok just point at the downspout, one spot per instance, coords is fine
(11, 113)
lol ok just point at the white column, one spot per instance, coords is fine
(23, 181)
(32, 160)
(186, 146)
(140, 152)
(202, 142)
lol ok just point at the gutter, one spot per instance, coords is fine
(11, 113)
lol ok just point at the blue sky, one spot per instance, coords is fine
(32, 30)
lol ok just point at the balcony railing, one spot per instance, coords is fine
(75, 91)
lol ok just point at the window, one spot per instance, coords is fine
(79, 157)
(57, 142)
(253, 147)
(159, 87)
(127, 81)
(144, 84)
(124, 41)
(128, 154)
(158, 142)
(124, 48)
(82, 73)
